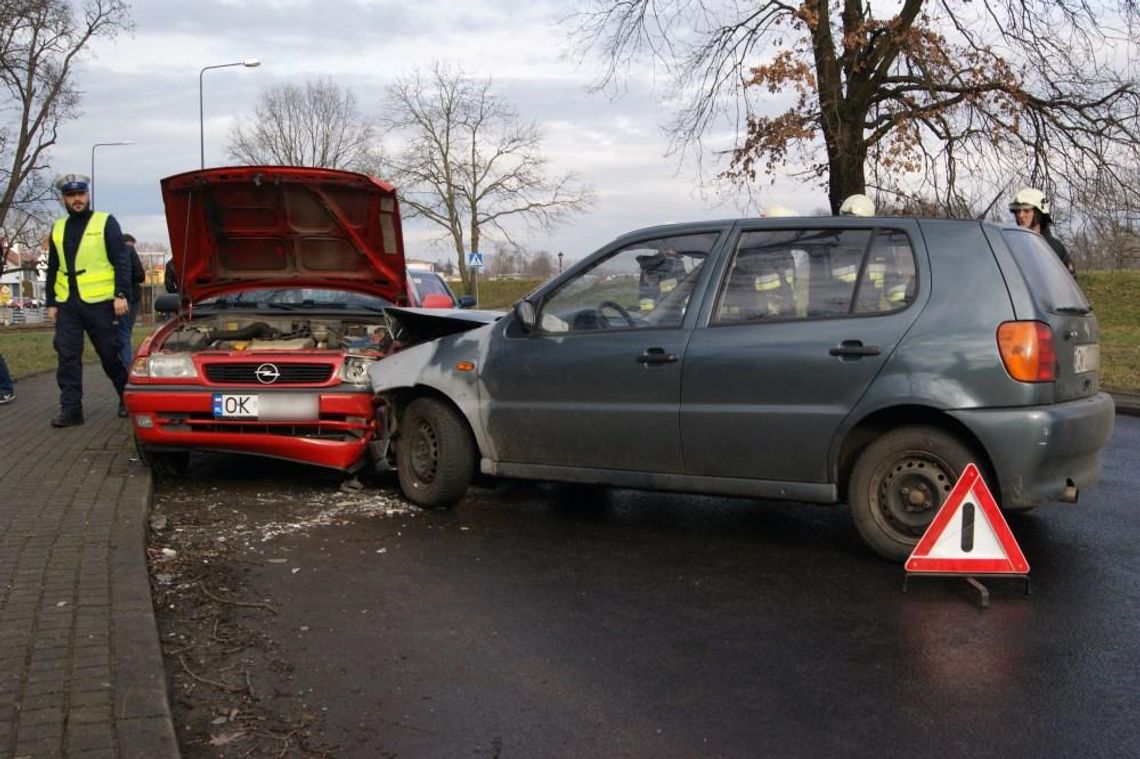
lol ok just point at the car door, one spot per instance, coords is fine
(803, 320)
(597, 383)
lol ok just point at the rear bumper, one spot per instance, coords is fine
(1037, 452)
(183, 421)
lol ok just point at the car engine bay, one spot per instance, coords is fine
(283, 334)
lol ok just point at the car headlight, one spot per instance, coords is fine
(355, 370)
(169, 367)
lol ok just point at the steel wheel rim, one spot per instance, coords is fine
(424, 452)
(908, 492)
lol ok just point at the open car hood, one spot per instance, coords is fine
(248, 227)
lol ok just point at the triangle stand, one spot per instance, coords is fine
(972, 580)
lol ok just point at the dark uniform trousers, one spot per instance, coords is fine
(98, 320)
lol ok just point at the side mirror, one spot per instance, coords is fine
(167, 303)
(466, 301)
(524, 311)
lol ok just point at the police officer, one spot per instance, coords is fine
(1030, 209)
(88, 279)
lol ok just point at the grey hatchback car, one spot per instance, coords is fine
(824, 360)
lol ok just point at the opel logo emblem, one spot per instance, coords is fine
(267, 374)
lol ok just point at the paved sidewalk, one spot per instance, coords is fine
(81, 672)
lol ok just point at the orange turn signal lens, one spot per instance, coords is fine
(1027, 351)
(465, 366)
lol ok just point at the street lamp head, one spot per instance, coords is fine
(249, 63)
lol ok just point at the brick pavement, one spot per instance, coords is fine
(81, 672)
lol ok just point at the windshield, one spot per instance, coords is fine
(296, 297)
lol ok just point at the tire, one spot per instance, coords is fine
(898, 484)
(435, 455)
(170, 465)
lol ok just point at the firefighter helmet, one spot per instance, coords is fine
(857, 205)
(1030, 197)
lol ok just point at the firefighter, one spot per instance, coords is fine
(1030, 209)
(88, 279)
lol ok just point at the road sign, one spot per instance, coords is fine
(475, 259)
(968, 535)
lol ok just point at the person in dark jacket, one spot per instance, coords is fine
(138, 276)
(170, 277)
(1030, 209)
(88, 278)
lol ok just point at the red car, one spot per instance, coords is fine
(286, 276)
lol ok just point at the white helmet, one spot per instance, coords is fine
(772, 212)
(1030, 197)
(857, 205)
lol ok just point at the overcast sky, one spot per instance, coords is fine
(143, 86)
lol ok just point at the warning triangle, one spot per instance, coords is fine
(968, 535)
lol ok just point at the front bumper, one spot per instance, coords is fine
(1039, 451)
(182, 419)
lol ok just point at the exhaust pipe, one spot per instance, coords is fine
(1070, 493)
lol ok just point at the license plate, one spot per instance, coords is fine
(1086, 358)
(267, 406)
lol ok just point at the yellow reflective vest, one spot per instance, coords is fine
(95, 276)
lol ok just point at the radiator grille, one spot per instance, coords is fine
(290, 374)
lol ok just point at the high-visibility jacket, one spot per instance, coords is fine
(94, 274)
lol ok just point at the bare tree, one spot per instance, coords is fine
(40, 44)
(1108, 233)
(935, 93)
(469, 164)
(317, 125)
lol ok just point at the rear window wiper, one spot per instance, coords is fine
(1075, 310)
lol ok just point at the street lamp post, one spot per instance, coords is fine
(248, 63)
(91, 191)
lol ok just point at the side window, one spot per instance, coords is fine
(645, 284)
(780, 275)
(888, 281)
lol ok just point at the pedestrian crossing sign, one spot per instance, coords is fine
(475, 259)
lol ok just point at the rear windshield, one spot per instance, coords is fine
(429, 284)
(1051, 285)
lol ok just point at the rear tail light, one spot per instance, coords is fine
(1027, 351)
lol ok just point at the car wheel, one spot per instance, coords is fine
(898, 484)
(168, 464)
(435, 455)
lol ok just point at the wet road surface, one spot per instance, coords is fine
(539, 621)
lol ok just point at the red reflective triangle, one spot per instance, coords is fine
(968, 535)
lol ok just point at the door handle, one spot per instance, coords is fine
(855, 348)
(657, 356)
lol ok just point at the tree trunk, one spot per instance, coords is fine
(845, 163)
(841, 123)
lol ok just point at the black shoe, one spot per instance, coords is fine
(123, 410)
(67, 420)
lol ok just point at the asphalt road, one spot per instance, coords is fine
(547, 622)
